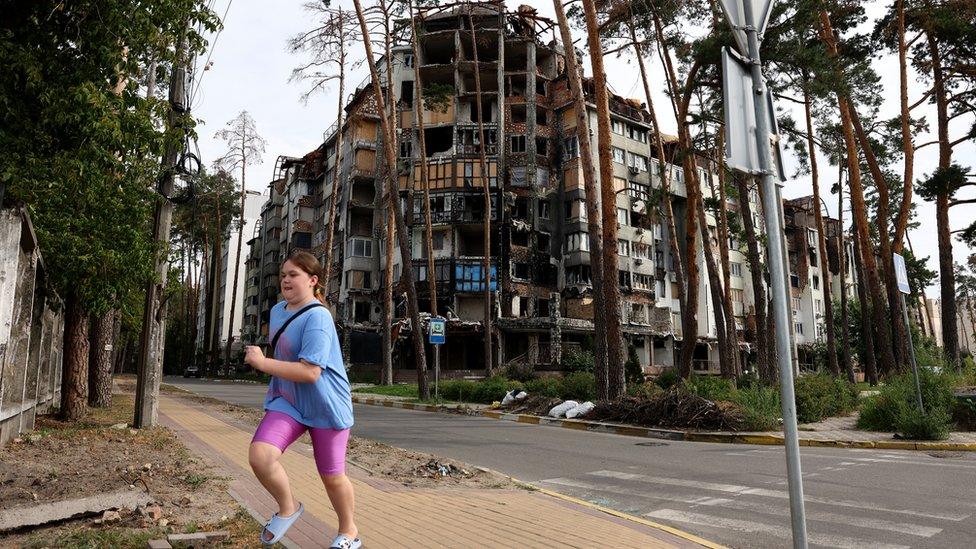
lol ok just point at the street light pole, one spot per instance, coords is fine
(777, 275)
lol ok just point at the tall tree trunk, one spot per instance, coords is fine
(845, 342)
(206, 286)
(237, 265)
(100, 363)
(821, 238)
(689, 313)
(594, 234)
(718, 310)
(336, 180)
(418, 116)
(723, 248)
(401, 227)
(765, 362)
(927, 318)
(215, 289)
(486, 262)
(908, 146)
(867, 332)
(884, 344)
(608, 205)
(386, 376)
(74, 381)
(947, 277)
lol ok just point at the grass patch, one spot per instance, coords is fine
(405, 390)
(196, 480)
(97, 538)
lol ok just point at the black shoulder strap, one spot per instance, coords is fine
(303, 310)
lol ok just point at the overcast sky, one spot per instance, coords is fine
(251, 65)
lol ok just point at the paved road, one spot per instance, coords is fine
(731, 494)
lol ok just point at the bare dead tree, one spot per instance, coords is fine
(244, 147)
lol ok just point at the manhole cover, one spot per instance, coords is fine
(652, 444)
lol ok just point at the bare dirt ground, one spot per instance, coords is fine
(61, 461)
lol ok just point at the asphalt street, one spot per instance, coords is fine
(731, 494)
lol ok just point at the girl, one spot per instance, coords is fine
(309, 391)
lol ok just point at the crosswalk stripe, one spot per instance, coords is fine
(746, 526)
(765, 492)
(819, 516)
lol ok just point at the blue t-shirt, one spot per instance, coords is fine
(312, 337)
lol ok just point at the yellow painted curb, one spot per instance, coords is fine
(657, 526)
(947, 446)
(525, 418)
(573, 424)
(895, 444)
(766, 440)
(709, 437)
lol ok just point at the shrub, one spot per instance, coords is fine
(493, 388)
(760, 407)
(964, 414)
(914, 425)
(668, 378)
(711, 387)
(579, 361)
(633, 372)
(520, 372)
(459, 389)
(580, 386)
(895, 409)
(644, 390)
(548, 387)
(823, 396)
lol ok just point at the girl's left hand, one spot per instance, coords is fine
(254, 356)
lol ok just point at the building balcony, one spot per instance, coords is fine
(463, 274)
(273, 223)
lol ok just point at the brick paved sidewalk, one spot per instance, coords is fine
(391, 515)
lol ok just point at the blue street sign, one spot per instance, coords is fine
(437, 331)
(901, 274)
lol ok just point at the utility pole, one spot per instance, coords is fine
(150, 362)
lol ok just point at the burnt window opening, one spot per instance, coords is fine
(521, 270)
(543, 209)
(443, 55)
(406, 146)
(361, 311)
(522, 208)
(543, 242)
(578, 274)
(546, 274)
(540, 116)
(484, 115)
(438, 140)
(303, 240)
(520, 239)
(518, 114)
(542, 308)
(541, 146)
(406, 94)
(540, 87)
(623, 278)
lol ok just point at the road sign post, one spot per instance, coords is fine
(437, 336)
(749, 150)
(904, 288)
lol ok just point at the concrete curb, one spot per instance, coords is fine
(668, 434)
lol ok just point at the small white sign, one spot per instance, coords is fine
(108, 346)
(901, 274)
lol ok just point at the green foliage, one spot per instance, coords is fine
(579, 361)
(520, 372)
(407, 390)
(822, 396)
(438, 97)
(543, 386)
(669, 378)
(460, 390)
(964, 413)
(579, 386)
(82, 157)
(711, 387)
(633, 372)
(644, 390)
(760, 407)
(895, 409)
(493, 388)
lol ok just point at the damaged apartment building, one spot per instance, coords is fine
(542, 301)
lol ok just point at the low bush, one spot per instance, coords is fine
(579, 361)
(644, 390)
(760, 407)
(520, 372)
(493, 388)
(964, 414)
(895, 408)
(458, 389)
(669, 378)
(548, 387)
(711, 387)
(633, 372)
(580, 386)
(823, 396)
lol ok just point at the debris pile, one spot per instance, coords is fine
(675, 408)
(436, 470)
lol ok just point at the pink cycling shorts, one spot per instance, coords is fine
(329, 445)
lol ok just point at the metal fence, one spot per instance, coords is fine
(31, 328)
